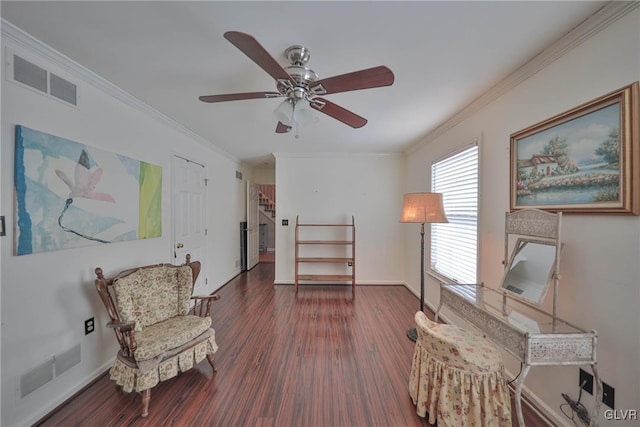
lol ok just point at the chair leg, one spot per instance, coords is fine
(146, 397)
(212, 361)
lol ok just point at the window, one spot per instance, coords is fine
(454, 246)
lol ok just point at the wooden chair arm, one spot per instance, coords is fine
(126, 334)
(202, 307)
(122, 326)
(209, 297)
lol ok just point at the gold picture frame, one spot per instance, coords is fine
(585, 160)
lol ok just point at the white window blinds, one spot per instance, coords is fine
(454, 245)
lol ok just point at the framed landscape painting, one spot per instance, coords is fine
(584, 160)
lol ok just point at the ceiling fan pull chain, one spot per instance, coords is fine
(295, 120)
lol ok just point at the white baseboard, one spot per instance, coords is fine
(60, 399)
(358, 283)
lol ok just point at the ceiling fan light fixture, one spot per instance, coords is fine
(303, 113)
(292, 112)
(284, 112)
(295, 113)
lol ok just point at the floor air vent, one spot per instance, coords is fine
(36, 378)
(67, 360)
(47, 371)
(40, 79)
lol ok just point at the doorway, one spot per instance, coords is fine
(189, 212)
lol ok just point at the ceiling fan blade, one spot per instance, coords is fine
(254, 50)
(338, 113)
(238, 96)
(363, 79)
(282, 128)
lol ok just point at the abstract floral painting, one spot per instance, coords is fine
(70, 195)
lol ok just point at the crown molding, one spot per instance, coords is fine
(591, 26)
(330, 155)
(47, 53)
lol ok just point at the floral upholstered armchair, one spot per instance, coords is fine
(150, 315)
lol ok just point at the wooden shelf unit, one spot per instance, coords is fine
(349, 260)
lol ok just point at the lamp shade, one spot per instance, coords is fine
(423, 208)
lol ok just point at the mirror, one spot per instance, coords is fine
(530, 269)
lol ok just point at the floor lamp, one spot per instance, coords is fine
(422, 208)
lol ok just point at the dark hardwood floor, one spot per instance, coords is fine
(321, 358)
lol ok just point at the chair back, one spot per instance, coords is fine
(149, 294)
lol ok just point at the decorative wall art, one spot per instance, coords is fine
(584, 160)
(70, 195)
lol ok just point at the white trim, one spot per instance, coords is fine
(600, 20)
(358, 283)
(47, 53)
(330, 155)
(60, 399)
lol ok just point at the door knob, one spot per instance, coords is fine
(179, 246)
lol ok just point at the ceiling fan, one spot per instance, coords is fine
(300, 86)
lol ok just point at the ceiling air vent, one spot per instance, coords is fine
(40, 79)
(30, 74)
(63, 89)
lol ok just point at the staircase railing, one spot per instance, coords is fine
(268, 191)
(267, 198)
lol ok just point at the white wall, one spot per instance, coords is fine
(332, 188)
(47, 296)
(264, 175)
(601, 259)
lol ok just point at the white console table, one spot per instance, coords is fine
(532, 335)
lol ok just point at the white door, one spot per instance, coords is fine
(189, 204)
(253, 226)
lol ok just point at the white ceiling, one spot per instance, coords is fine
(443, 54)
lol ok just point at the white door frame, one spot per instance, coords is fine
(177, 254)
(253, 226)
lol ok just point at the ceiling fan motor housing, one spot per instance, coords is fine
(302, 76)
(297, 55)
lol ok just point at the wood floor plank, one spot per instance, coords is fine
(315, 359)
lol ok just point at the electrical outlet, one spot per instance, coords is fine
(285, 222)
(586, 381)
(608, 395)
(89, 326)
